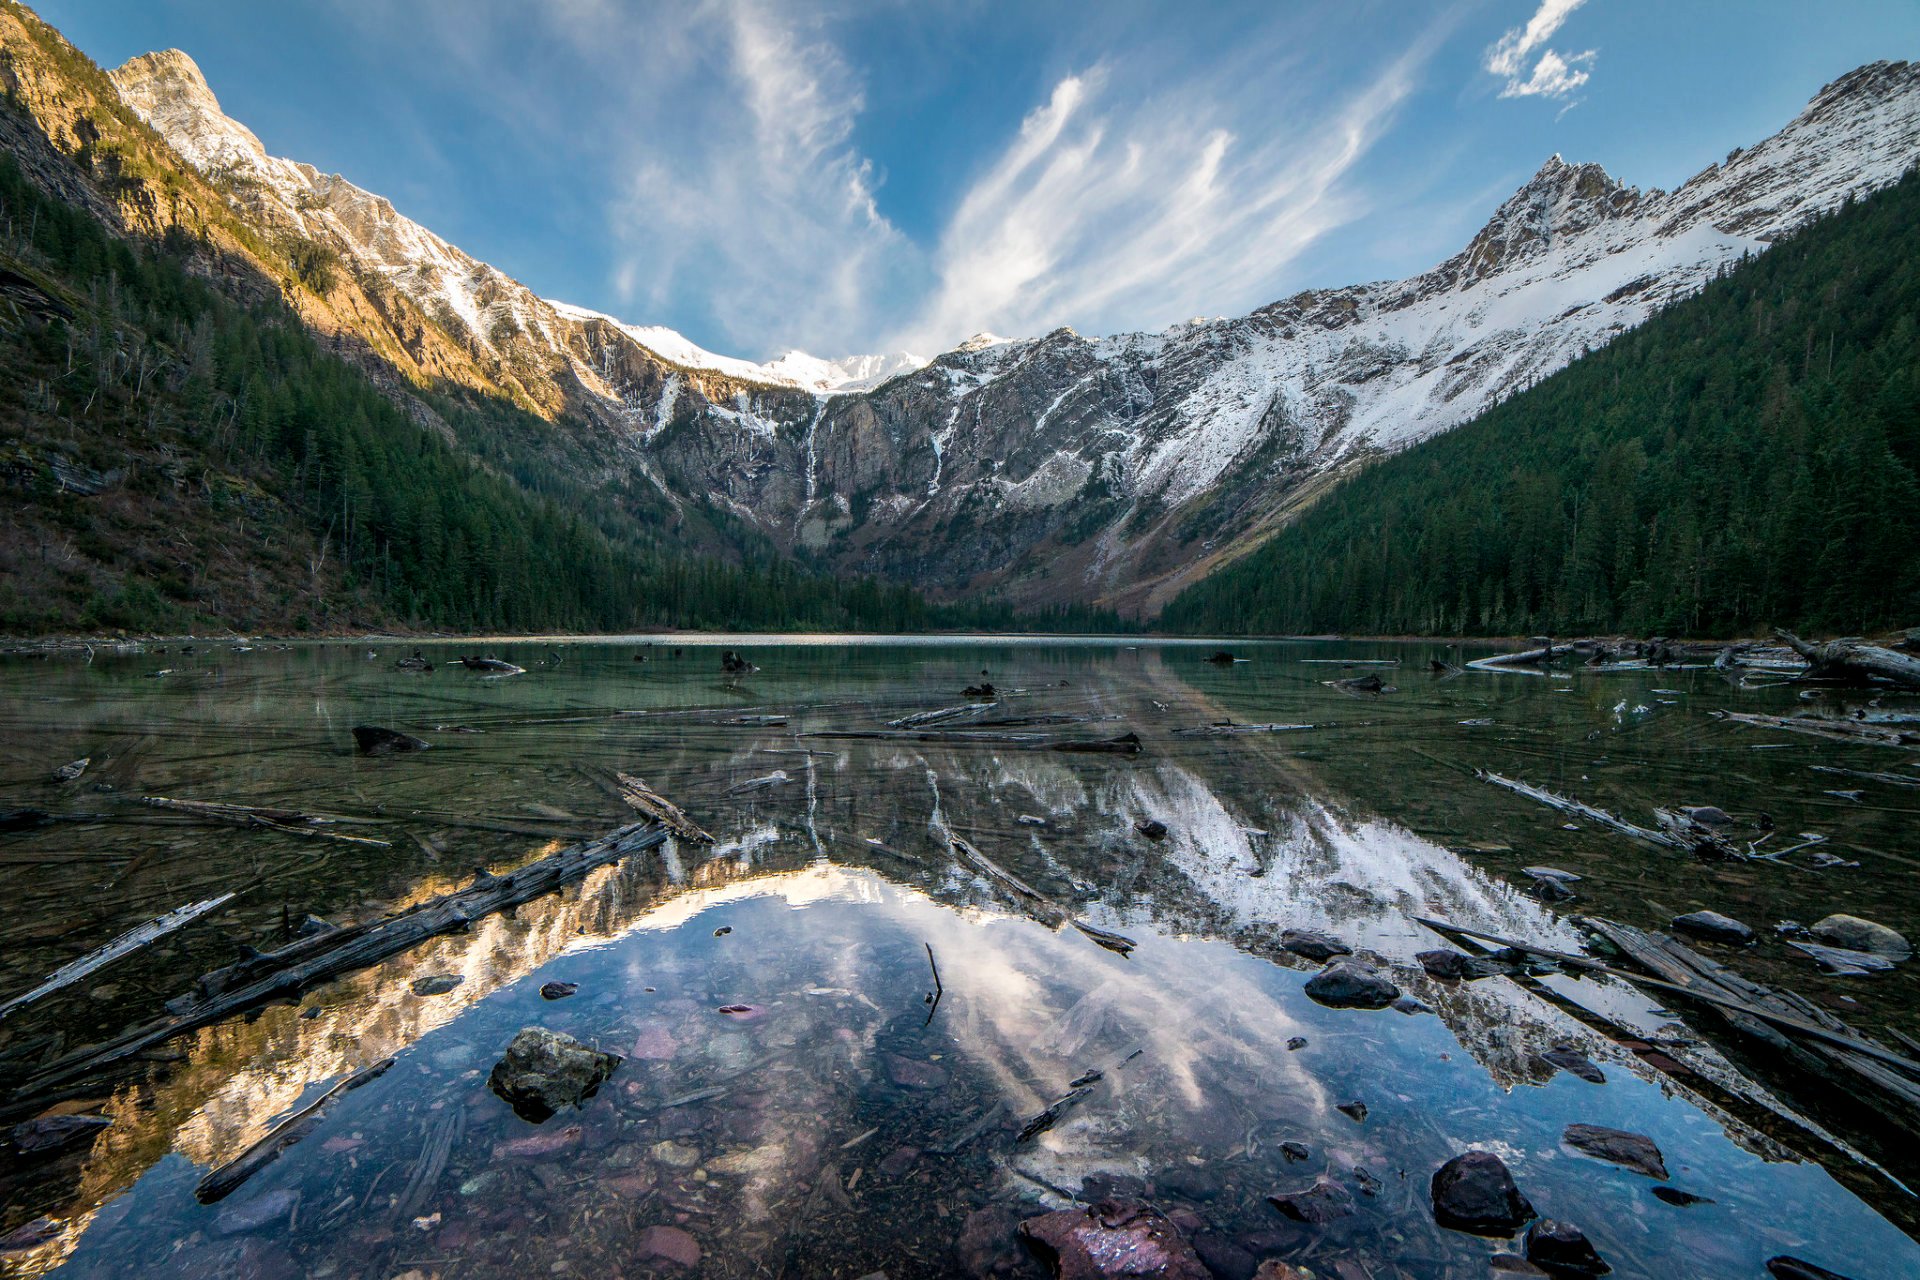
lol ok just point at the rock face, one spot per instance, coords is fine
(544, 1071)
(1714, 927)
(1349, 984)
(1474, 1192)
(1112, 1239)
(1062, 467)
(1855, 934)
(1616, 1146)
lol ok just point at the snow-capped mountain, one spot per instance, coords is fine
(1065, 467)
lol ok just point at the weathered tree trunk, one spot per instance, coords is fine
(1855, 660)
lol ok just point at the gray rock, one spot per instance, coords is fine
(1323, 1202)
(372, 740)
(1313, 944)
(1349, 984)
(544, 1071)
(1473, 1192)
(1562, 1249)
(1455, 965)
(1617, 1146)
(1856, 934)
(1714, 927)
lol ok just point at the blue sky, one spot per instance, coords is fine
(859, 175)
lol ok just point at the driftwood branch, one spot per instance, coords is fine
(286, 821)
(645, 799)
(126, 944)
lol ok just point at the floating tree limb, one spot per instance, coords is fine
(126, 944)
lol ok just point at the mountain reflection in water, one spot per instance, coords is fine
(808, 1133)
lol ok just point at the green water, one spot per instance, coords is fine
(806, 1136)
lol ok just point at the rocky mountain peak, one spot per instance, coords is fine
(1559, 201)
(1863, 85)
(168, 90)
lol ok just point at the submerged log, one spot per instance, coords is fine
(1825, 1045)
(222, 1181)
(1689, 982)
(287, 821)
(126, 944)
(1579, 809)
(1834, 730)
(279, 975)
(1855, 661)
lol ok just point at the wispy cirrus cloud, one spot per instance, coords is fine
(1108, 212)
(1553, 74)
(722, 139)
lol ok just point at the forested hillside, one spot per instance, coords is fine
(175, 457)
(1747, 458)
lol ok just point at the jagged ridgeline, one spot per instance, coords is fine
(1751, 456)
(181, 449)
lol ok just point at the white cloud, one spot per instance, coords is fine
(1554, 75)
(769, 211)
(1107, 211)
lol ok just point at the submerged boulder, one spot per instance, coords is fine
(1856, 934)
(1313, 944)
(544, 1071)
(1112, 1239)
(1453, 966)
(1616, 1146)
(1714, 927)
(1321, 1203)
(1562, 1249)
(1349, 984)
(372, 740)
(1473, 1192)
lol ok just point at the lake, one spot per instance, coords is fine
(834, 1029)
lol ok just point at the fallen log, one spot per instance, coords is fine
(1887, 779)
(644, 798)
(222, 1182)
(1834, 730)
(1825, 1042)
(1843, 1037)
(266, 977)
(1580, 809)
(287, 821)
(1125, 744)
(920, 719)
(126, 944)
(1854, 661)
(1230, 730)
